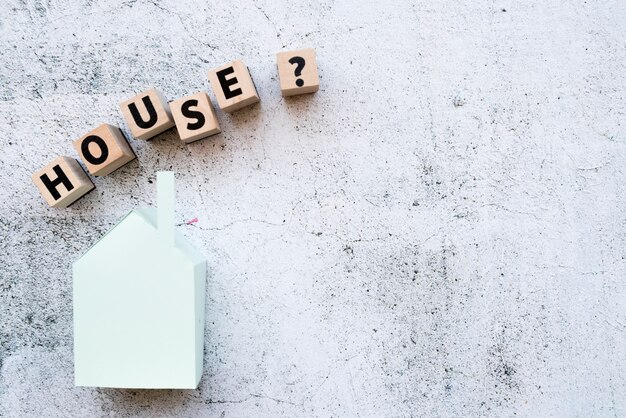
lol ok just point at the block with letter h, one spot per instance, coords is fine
(62, 182)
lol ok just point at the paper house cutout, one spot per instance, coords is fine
(139, 303)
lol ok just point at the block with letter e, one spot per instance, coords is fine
(233, 86)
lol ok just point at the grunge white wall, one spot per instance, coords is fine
(439, 231)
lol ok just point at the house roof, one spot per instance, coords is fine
(149, 215)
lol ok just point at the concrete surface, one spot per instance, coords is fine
(439, 231)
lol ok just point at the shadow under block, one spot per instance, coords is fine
(297, 72)
(147, 114)
(233, 86)
(104, 150)
(62, 182)
(195, 117)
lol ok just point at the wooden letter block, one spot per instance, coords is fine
(104, 150)
(62, 182)
(195, 117)
(233, 86)
(297, 71)
(147, 114)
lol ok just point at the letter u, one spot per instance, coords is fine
(152, 114)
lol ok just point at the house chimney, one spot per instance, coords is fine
(165, 206)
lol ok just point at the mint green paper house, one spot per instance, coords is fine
(139, 303)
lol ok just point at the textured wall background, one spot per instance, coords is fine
(440, 230)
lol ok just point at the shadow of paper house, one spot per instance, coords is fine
(139, 303)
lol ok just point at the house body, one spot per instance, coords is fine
(139, 297)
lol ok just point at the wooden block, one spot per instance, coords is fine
(297, 72)
(147, 114)
(104, 150)
(195, 117)
(62, 182)
(233, 86)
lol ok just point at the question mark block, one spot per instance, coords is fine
(297, 72)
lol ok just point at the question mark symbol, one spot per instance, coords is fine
(299, 61)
